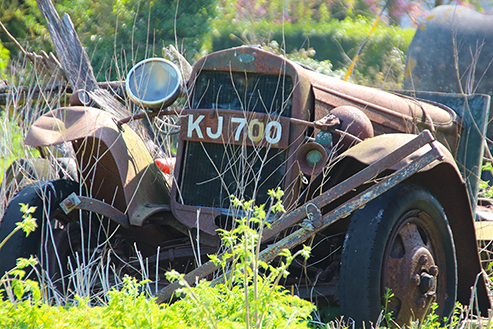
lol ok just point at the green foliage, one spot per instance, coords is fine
(24, 21)
(305, 58)
(293, 11)
(127, 308)
(485, 190)
(248, 295)
(11, 143)
(387, 316)
(121, 33)
(28, 223)
(16, 286)
(117, 34)
(13, 279)
(382, 58)
(131, 308)
(433, 321)
(4, 59)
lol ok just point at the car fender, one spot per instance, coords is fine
(443, 180)
(112, 159)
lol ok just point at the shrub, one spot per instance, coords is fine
(334, 40)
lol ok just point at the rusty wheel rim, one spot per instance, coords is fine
(413, 255)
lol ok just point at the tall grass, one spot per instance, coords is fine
(247, 296)
(28, 95)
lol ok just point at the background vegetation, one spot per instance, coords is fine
(119, 33)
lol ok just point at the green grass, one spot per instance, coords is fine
(11, 142)
(247, 296)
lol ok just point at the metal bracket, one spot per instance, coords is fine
(73, 201)
(314, 215)
(307, 225)
(70, 203)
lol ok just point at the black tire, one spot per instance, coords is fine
(396, 241)
(46, 197)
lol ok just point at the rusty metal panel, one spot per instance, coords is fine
(128, 163)
(389, 112)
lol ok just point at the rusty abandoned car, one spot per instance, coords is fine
(382, 185)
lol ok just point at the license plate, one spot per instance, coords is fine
(233, 127)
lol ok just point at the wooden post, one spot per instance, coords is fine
(75, 61)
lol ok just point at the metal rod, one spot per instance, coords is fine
(307, 231)
(351, 183)
(301, 235)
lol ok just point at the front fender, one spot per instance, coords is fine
(443, 180)
(113, 162)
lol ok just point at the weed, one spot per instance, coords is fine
(13, 279)
(249, 294)
(387, 315)
(28, 223)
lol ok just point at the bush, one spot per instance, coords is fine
(334, 40)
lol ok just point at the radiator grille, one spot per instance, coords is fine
(213, 172)
(253, 92)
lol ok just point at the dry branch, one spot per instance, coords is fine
(75, 61)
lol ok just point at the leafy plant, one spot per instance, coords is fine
(485, 190)
(13, 278)
(24, 21)
(28, 223)
(248, 295)
(387, 315)
(380, 64)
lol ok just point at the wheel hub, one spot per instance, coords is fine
(427, 283)
(424, 272)
(410, 272)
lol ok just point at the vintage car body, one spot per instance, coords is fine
(249, 120)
